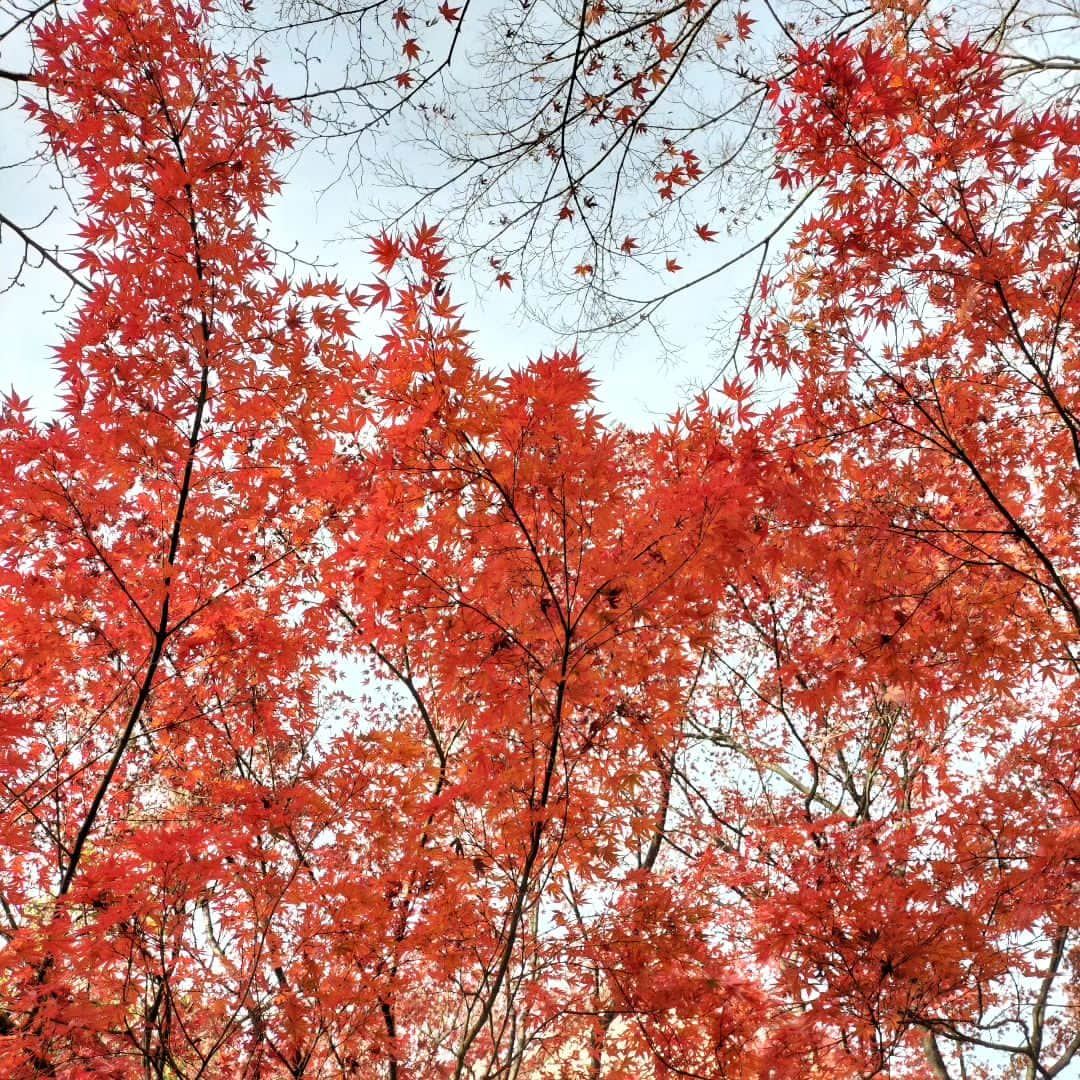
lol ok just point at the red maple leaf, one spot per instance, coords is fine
(743, 22)
(387, 249)
(381, 294)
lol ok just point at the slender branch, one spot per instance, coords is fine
(45, 254)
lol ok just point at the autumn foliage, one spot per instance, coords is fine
(369, 714)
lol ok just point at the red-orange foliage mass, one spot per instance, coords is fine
(371, 715)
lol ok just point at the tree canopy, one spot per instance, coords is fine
(367, 713)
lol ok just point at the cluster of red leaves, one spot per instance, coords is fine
(720, 750)
(928, 322)
(161, 663)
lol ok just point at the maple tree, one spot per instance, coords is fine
(149, 764)
(367, 713)
(928, 320)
